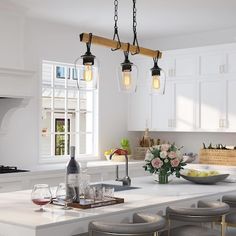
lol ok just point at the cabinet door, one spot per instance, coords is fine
(162, 110)
(212, 105)
(231, 111)
(212, 63)
(184, 105)
(187, 65)
(231, 67)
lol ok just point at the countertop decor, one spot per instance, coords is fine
(164, 160)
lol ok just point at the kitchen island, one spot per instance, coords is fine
(18, 216)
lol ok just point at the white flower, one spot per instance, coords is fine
(149, 156)
(179, 155)
(163, 154)
(166, 160)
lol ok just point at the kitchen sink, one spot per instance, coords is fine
(117, 188)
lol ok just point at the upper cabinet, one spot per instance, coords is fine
(213, 63)
(200, 92)
(179, 66)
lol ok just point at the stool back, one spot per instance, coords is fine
(143, 225)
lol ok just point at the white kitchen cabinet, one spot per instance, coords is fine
(179, 66)
(212, 105)
(230, 121)
(185, 105)
(200, 92)
(213, 63)
(231, 63)
(162, 110)
(175, 110)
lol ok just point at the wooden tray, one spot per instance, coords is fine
(88, 205)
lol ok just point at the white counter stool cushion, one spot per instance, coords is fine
(143, 224)
(230, 218)
(206, 212)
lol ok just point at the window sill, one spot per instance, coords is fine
(65, 159)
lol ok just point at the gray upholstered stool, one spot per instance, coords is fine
(143, 224)
(230, 218)
(205, 212)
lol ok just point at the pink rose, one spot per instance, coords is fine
(165, 147)
(174, 162)
(157, 163)
(172, 155)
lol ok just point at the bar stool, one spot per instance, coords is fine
(230, 218)
(143, 224)
(205, 212)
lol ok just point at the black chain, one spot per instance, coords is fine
(116, 34)
(135, 40)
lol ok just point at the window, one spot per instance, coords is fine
(69, 116)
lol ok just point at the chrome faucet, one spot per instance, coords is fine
(126, 181)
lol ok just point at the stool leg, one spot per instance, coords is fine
(223, 226)
(168, 227)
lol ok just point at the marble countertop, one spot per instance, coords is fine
(17, 209)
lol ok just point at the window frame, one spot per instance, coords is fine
(63, 158)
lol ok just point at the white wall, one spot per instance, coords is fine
(56, 42)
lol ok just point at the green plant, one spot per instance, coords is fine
(124, 143)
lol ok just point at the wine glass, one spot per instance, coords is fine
(64, 197)
(41, 195)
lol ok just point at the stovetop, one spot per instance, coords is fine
(10, 169)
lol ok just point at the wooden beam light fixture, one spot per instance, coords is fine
(109, 43)
(127, 72)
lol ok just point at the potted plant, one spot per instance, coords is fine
(164, 160)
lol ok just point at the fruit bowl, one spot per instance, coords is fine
(203, 177)
(117, 158)
(205, 180)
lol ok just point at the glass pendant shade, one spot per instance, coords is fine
(127, 75)
(157, 81)
(87, 71)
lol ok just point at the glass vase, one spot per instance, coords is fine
(163, 178)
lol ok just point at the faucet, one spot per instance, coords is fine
(126, 181)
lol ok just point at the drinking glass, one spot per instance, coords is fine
(84, 184)
(64, 198)
(41, 195)
(108, 192)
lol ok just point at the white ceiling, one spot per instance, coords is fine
(156, 18)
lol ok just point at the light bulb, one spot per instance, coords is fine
(126, 79)
(88, 72)
(156, 82)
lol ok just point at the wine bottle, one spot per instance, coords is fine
(72, 177)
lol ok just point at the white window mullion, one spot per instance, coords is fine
(66, 110)
(52, 114)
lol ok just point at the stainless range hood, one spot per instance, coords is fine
(16, 83)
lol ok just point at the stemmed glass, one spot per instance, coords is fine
(64, 198)
(41, 195)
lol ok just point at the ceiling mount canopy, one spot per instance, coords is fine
(127, 71)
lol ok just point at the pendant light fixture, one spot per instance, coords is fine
(87, 68)
(127, 74)
(158, 79)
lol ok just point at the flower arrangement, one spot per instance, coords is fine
(164, 160)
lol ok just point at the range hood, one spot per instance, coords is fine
(16, 83)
